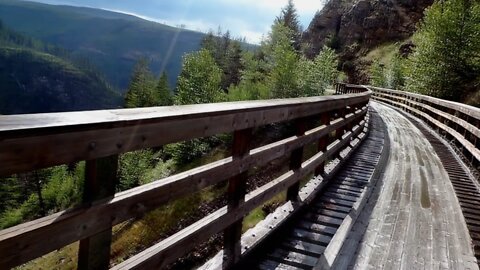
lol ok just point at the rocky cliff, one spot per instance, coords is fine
(354, 27)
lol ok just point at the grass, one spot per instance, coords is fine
(259, 213)
(384, 53)
(62, 259)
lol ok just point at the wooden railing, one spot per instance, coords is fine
(29, 142)
(344, 88)
(460, 123)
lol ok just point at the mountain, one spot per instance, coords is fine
(34, 80)
(112, 41)
(356, 27)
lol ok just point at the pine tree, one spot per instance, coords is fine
(289, 18)
(164, 94)
(227, 54)
(233, 65)
(141, 91)
(446, 60)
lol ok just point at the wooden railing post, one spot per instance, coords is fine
(100, 182)
(341, 130)
(351, 109)
(323, 142)
(296, 159)
(237, 187)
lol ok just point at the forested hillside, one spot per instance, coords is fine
(112, 41)
(38, 78)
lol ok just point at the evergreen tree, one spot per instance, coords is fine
(199, 80)
(446, 60)
(164, 94)
(233, 65)
(289, 18)
(283, 61)
(141, 91)
(227, 54)
(252, 84)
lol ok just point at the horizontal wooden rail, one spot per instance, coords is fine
(458, 121)
(35, 141)
(29, 142)
(344, 88)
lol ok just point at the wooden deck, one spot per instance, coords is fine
(415, 220)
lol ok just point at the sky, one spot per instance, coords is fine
(243, 18)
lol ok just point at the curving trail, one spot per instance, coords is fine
(415, 222)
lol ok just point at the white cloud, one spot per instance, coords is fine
(304, 7)
(253, 37)
(246, 18)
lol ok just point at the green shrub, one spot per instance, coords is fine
(132, 166)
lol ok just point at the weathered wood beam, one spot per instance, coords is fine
(29, 142)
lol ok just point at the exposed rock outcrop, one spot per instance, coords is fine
(354, 27)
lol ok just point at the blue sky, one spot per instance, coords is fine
(244, 18)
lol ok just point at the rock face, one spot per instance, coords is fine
(354, 27)
(365, 22)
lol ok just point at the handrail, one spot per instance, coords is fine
(36, 141)
(345, 88)
(76, 136)
(460, 122)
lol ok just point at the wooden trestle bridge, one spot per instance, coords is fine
(394, 183)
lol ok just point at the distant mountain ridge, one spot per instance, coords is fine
(33, 79)
(112, 41)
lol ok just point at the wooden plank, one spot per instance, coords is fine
(315, 227)
(73, 225)
(303, 246)
(273, 265)
(293, 258)
(312, 237)
(416, 223)
(36, 141)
